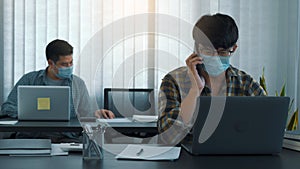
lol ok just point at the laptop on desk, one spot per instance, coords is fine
(238, 125)
(44, 103)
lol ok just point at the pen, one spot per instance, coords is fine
(140, 152)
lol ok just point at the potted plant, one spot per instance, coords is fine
(293, 121)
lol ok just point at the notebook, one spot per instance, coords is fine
(238, 125)
(44, 103)
(128, 102)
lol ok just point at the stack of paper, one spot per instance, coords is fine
(292, 140)
(71, 146)
(147, 152)
(115, 120)
(25, 146)
(144, 118)
(65, 148)
(9, 122)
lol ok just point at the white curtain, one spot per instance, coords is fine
(29, 25)
(118, 45)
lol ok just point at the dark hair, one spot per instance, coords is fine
(58, 48)
(221, 30)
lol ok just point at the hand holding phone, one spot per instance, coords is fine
(200, 69)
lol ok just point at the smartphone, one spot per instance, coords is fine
(200, 67)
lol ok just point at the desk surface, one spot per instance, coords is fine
(26, 126)
(73, 126)
(286, 160)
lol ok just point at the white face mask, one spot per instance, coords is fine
(215, 65)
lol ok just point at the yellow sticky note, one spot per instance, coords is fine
(43, 103)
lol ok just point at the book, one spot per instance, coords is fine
(25, 146)
(292, 134)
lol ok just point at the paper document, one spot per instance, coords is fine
(291, 144)
(294, 134)
(12, 122)
(147, 152)
(71, 146)
(56, 150)
(144, 118)
(115, 120)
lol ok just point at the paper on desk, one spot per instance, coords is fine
(56, 150)
(71, 146)
(149, 152)
(12, 122)
(115, 120)
(144, 118)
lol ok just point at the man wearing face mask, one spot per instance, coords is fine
(207, 73)
(59, 72)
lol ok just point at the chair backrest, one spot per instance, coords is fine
(126, 102)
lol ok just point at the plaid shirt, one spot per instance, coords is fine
(176, 85)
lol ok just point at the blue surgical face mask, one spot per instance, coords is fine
(64, 72)
(215, 65)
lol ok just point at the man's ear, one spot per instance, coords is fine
(235, 46)
(50, 62)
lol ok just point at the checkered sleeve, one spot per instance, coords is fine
(170, 125)
(256, 89)
(243, 84)
(168, 103)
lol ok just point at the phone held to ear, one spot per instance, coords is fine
(200, 68)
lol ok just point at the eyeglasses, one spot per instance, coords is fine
(212, 52)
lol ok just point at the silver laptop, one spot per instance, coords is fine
(44, 103)
(238, 125)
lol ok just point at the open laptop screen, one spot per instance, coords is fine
(128, 102)
(44, 103)
(239, 125)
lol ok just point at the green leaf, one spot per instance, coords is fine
(282, 92)
(262, 81)
(293, 123)
(291, 104)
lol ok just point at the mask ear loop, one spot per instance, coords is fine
(196, 50)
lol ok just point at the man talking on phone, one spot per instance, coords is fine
(208, 72)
